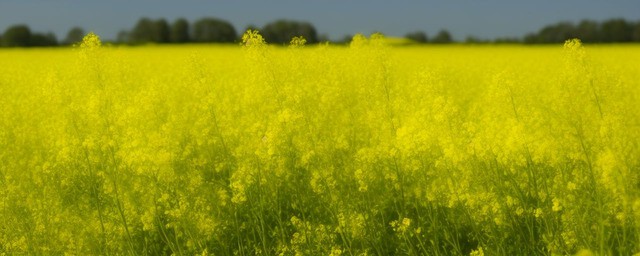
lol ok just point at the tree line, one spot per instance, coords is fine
(609, 31)
(588, 31)
(160, 31)
(214, 30)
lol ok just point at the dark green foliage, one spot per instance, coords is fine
(180, 31)
(589, 31)
(616, 30)
(18, 35)
(161, 31)
(74, 35)
(142, 32)
(473, 40)
(39, 39)
(557, 33)
(636, 32)
(212, 30)
(443, 37)
(610, 31)
(21, 36)
(150, 31)
(507, 40)
(418, 36)
(282, 31)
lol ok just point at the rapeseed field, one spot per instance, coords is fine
(365, 149)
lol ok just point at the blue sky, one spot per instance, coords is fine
(336, 18)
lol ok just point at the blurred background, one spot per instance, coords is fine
(63, 22)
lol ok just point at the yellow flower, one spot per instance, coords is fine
(477, 252)
(538, 213)
(90, 41)
(556, 205)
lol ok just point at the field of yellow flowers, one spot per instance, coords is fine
(364, 149)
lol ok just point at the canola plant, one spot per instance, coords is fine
(364, 149)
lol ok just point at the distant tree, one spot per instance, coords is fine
(616, 30)
(180, 31)
(558, 33)
(161, 31)
(531, 38)
(417, 36)
(143, 32)
(74, 35)
(636, 32)
(588, 31)
(17, 36)
(213, 30)
(473, 40)
(39, 39)
(609, 31)
(150, 31)
(281, 31)
(507, 40)
(443, 37)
